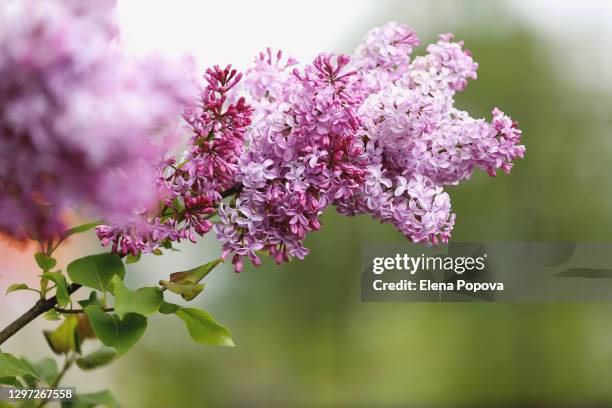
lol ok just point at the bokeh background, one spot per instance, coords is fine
(303, 336)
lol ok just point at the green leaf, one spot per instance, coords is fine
(64, 340)
(81, 228)
(187, 291)
(121, 334)
(15, 287)
(201, 326)
(204, 329)
(11, 366)
(52, 314)
(168, 308)
(46, 370)
(61, 289)
(195, 275)
(130, 259)
(97, 359)
(144, 301)
(92, 300)
(44, 261)
(186, 283)
(98, 399)
(96, 271)
(12, 381)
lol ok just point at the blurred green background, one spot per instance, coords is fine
(304, 338)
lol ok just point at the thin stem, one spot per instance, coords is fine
(67, 364)
(40, 307)
(78, 311)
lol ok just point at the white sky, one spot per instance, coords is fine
(223, 32)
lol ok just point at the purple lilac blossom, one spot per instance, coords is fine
(374, 133)
(303, 156)
(403, 141)
(81, 124)
(192, 189)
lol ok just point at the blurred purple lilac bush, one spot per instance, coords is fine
(86, 127)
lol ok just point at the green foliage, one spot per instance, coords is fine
(44, 261)
(64, 339)
(46, 369)
(81, 228)
(53, 315)
(168, 308)
(132, 258)
(12, 381)
(98, 399)
(186, 283)
(97, 359)
(96, 271)
(61, 288)
(91, 300)
(11, 366)
(120, 334)
(194, 275)
(144, 301)
(15, 287)
(202, 326)
(187, 291)
(118, 330)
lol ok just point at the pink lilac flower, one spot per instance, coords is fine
(302, 158)
(403, 141)
(192, 190)
(81, 124)
(384, 54)
(375, 133)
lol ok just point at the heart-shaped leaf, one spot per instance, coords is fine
(96, 271)
(44, 261)
(120, 334)
(144, 301)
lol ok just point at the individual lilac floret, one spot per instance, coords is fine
(81, 124)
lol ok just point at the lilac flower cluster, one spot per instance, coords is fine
(192, 190)
(81, 124)
(376, 133)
